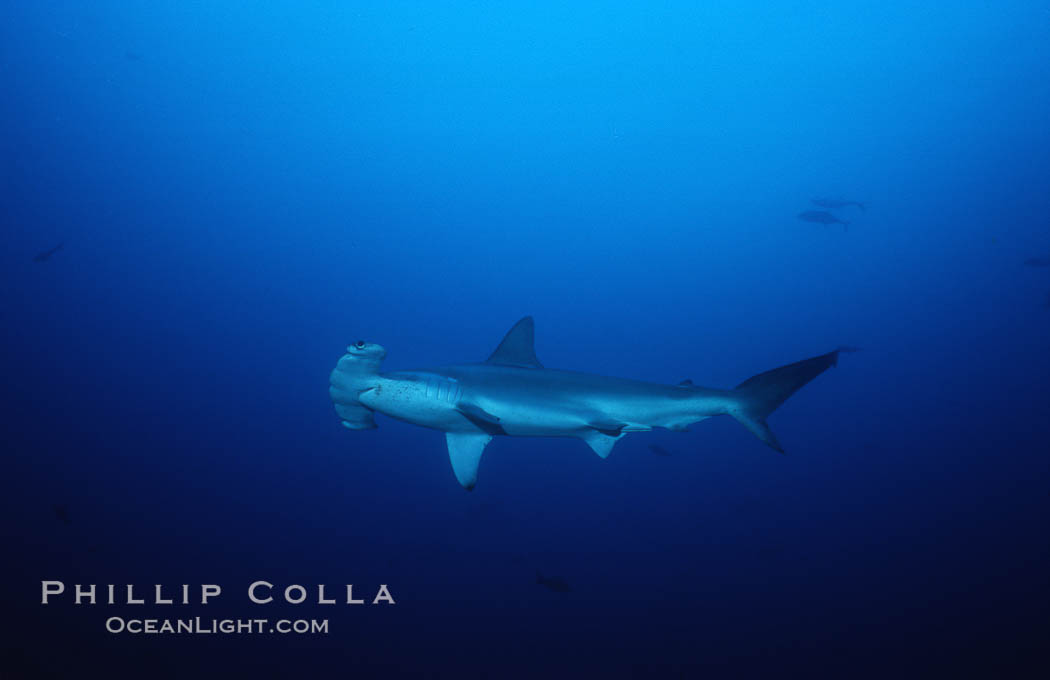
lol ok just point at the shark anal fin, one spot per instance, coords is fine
(517, 347)
(601, 443)
(464, 451)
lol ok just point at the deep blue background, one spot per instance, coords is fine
(244, 188)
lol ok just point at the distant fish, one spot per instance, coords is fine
(553, 583)
(62, 513)
(1038, 262)
(821, 217)
(835, 204)
(46, 255)
(659, 450)
(769, 552)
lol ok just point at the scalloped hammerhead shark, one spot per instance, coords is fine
(512, 394)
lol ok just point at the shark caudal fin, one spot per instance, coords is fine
(761, 395)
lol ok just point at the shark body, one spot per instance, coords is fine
(512, 394)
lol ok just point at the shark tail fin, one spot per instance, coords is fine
(759, 396)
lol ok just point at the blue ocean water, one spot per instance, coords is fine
(242, 189)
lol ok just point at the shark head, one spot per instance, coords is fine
(365, 355)
(356, 372)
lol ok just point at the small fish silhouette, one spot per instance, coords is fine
(62, 513)
(834, 204)
(552, 583)
(821, 217)
(46, 255)
(659, 450)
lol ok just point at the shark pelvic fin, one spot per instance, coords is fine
(475, 412)
(464, 450)
(599, 441)
(518, 346)
(485, 421)
(611, 428)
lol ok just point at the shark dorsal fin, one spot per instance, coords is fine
(686, 383)
(517, 348)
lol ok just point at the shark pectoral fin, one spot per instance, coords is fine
(464, 450)
(599, 441)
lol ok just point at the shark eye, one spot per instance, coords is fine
(360, 344)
